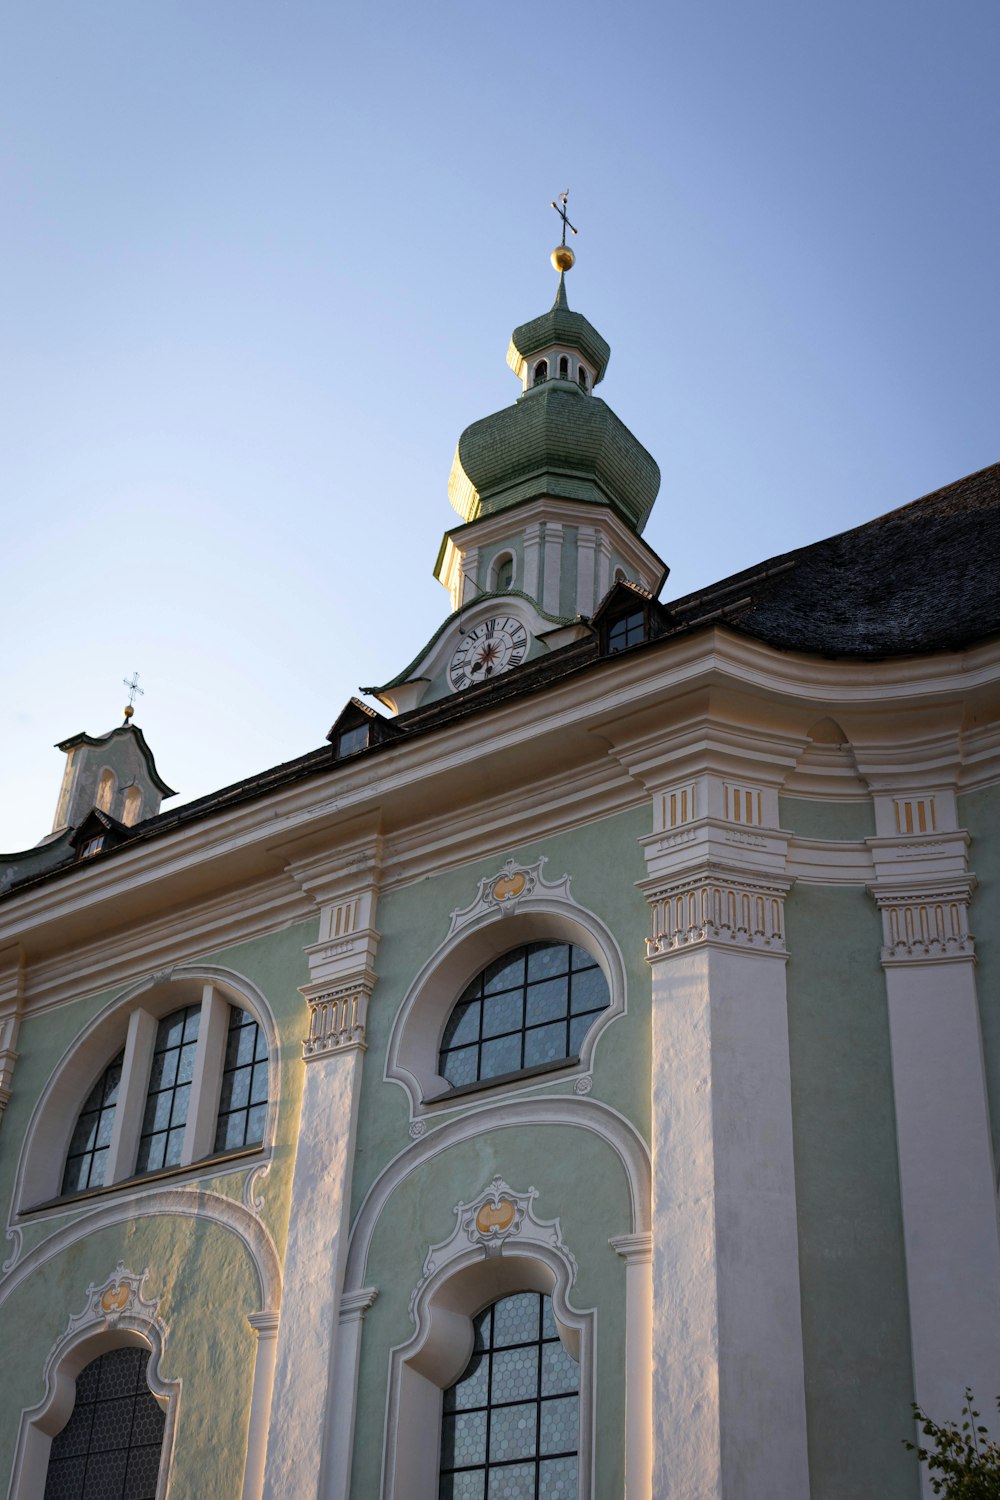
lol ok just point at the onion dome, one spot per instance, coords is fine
(559, 327)
(558, 440)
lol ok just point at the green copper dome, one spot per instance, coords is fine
(561, 327)
(558, 440)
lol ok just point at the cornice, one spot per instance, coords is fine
(185, 933)
(203, 863)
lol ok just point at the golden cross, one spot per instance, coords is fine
(561, 211)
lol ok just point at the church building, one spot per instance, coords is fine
(578, 1079)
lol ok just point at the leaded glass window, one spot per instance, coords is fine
(110, 1447)
(510, 1424)
(243, 1100)
(169, 1090)
(88, 1150)
(531, 1007)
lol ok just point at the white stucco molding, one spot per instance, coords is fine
(338, 1017)
(725, 908)
(514, 906)
(116, 1314)
(185, 1203)
(930, 924)
(345, 885)
(497, 1247)
(43, 1151)
(581, 1113)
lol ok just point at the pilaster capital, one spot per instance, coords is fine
(927, 922)
(716, 907)
(354, 1305)
(634, 1249)
(264, 1324)
(338, 1016)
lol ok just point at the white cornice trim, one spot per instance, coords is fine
(592, 703)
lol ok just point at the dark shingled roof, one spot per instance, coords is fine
(925, 577)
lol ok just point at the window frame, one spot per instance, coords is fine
(130, 1024)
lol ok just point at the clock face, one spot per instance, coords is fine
(493, 647)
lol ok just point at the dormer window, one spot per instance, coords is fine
(541, 372)
(563, 367)
(627, 630)
(92, 847)
(350, 741)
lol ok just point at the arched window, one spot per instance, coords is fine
(503, 572)
(106, 788)
(563, 367)
(193, 1085)
(88, 1150)
(541, 372)
(511, 1422)
(111, 1444)
(581, 376)
(132, 806)
(528, 1009)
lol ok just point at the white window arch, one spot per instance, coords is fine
(516, 906)
(135, 1026)
(503, 571)
(469, 1274)
(117, 1317)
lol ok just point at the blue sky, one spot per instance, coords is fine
(262, 261)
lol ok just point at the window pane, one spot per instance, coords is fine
(169, 1090)
(85, 1159)
(243, 1095)
(546, 959)
(589, 991)
(460, 1067)
(546, 1001)
(501, 1056)
(463, 1025)
(545, 1044)
(503, 1013)
(519, 1440)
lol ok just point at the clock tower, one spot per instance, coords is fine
(552, 493)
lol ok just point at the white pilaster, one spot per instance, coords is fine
(469, 588)
(265, 1325)
(532, 559)
(353, 1307)
(946, 1162)
(729, 1419)
(304, 1398)
(553, 567)
(637, 1252)
(586, 543)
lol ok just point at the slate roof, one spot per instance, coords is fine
(925, 577)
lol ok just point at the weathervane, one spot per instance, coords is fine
(133, 688)
(562, 255)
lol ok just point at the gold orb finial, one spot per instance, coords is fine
(563, 258)
(129, 711)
